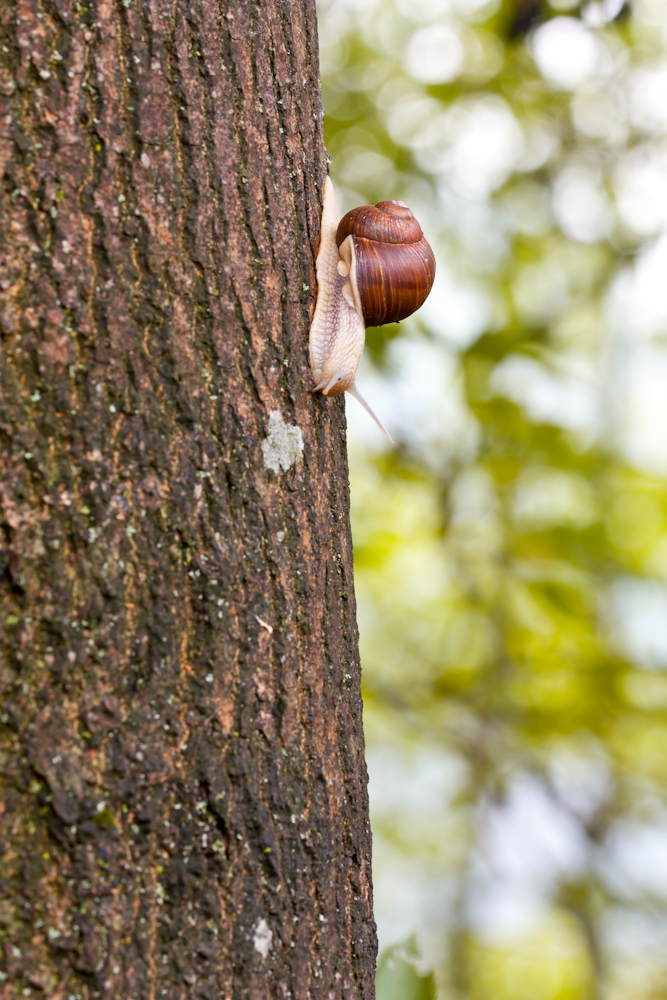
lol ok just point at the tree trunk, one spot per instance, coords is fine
(183, 807)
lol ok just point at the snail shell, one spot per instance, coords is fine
(394, 267)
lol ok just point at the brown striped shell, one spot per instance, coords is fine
(394, 265)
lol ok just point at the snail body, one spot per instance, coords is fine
(373, 267)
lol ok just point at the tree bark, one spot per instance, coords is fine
(183, 806)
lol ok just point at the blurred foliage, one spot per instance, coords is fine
(399, 979)
(511, 551)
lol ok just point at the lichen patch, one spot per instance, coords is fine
(284, 445)
(262, 938)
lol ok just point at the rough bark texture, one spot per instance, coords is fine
(183, 807)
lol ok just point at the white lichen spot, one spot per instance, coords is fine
(262, 938)
(284, 445)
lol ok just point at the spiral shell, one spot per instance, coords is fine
(392, 267)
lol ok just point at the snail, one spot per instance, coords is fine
(373, 267)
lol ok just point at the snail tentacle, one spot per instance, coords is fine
(353, 391)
